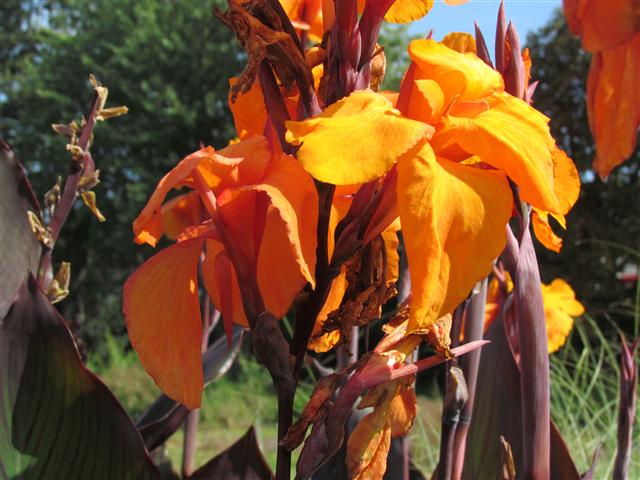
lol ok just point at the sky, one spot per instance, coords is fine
(526, 15)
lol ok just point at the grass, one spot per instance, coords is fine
(584, 396)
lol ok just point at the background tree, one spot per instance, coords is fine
(603, 235)
(169, 62)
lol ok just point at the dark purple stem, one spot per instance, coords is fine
(473, 327)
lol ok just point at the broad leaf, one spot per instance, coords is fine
(241, 461)
(58, 420)
(19, 248)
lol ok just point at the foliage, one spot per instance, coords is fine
(169, 64)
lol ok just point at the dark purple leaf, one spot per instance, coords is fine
(19, 248)
(241, 461)
(165, 415)
(498, 403)
(534, 361)
(58, 419)
(627, 408)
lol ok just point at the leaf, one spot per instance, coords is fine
(58, 420)
(498, 400)
(241, 461)
(165, 415)
(19, 248)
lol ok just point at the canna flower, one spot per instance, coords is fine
(560, 307)
(611, 32)
(264, 203)
(454, 136)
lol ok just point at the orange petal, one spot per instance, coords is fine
(334, 298)
(249, 110)
(181, 212)
(292, 192)
(559, 326)
(602, 25)
(327, 147)
(515, 138)
(162, 312)
(543, 231)
(461, 75)
(391, 244)
(279, 273)
(402, 411)
(613, 104)
(221, 283)
(240, 163)
(453, 219)
(148, 227)
(405, 11)
(566, 181)
(367, 448)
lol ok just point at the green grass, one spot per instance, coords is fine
(584, 398)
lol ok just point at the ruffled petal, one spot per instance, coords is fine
(460, 75)
(513, 137)
(162, 312)
(613, 104)
(543, 231)
(453, 220)
(461, 42)
(326, 342)
(327, 147)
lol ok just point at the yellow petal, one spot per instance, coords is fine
(405, 11)
(515, 138)
(559, 326)
(461, 75)
(560, 295)
(453, 220)
(162, 312)
(327, 147)
(613, 104)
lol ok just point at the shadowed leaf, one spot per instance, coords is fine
(58, 420)
(19, 248)
(241, 461)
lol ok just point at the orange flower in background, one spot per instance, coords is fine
(560, 307)
(266, 204)
(611, 32)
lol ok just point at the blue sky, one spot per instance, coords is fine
(526, 15)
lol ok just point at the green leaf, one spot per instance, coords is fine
(57, 419)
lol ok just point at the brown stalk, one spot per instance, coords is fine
(70, 192)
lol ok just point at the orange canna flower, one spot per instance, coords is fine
(611, 32)
(266, 203)
(560, 307)
(455, 137)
